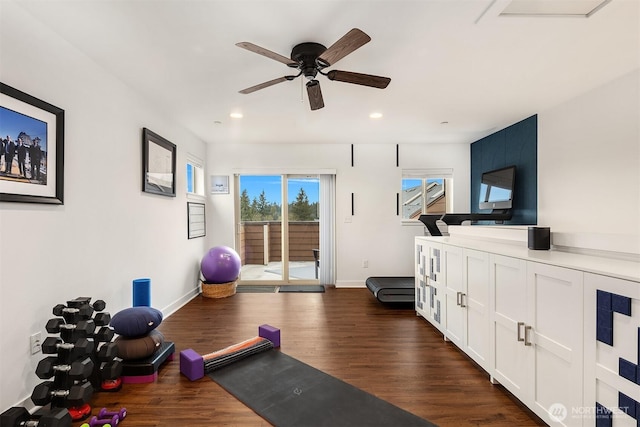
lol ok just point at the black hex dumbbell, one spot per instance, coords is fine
(77, 395)
(104, 334)
(111, 370)
(107, 351)
(99, 305)
(80, 301)
(20, 417)
(71, 332)
(73, 314)
(102, 318)
(67, 351)
(78, 370)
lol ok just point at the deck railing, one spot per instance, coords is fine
(261, 241)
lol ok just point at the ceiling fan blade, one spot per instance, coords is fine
(266, 84)
(266, 52)
(315, 95)
(351, 41)
(359, 79)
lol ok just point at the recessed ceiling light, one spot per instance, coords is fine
(375, 115)
(236, 115)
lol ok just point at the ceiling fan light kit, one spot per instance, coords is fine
(310, 59)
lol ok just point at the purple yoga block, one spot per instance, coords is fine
(191, 364)
(270, 333)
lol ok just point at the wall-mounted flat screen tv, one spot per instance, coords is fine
(496, 188)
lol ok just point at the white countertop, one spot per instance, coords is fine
(622, 269)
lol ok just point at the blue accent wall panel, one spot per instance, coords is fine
(603, 299)
(515, 145)
(603, 416)
(604, 326)
(627, 369)
(621, 304)
(628, 405)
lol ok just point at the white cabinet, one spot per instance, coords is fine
(476, 304)
(454, 289)
(421, 303)
(508, 310)
(436, 280)
(560, 331)
(612, 345)
(429, 279)
(555, 318)
(467, 301)
(536, 321)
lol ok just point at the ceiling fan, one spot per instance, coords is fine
(312, 58)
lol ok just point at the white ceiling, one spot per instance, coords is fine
(454, 61)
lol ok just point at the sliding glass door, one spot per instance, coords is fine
(278, 242)
(303, 227)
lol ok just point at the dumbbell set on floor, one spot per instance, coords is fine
(106, 418)
(83, 356)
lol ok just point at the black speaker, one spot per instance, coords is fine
(539, 238)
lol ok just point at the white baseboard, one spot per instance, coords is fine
(180, 302)
(350, 284)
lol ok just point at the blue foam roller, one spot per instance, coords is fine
(142, 293)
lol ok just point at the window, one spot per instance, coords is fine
(195, 177)
(426, 192)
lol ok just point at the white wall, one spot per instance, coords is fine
(589, 168)
(375, 233)
(108, 232)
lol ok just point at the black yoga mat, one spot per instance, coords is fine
(287, 392)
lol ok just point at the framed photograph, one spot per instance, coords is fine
(196, 224)
(219, 184)
(31, 149)
(158, 164)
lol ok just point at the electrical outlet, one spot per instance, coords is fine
(365, 263)
(36, 343)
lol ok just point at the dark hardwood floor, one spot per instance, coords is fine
(389, 352)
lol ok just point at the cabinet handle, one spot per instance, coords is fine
(462, 304)
(520, 324)
(458, 298)
(526, 335)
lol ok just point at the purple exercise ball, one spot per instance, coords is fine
(220, 265)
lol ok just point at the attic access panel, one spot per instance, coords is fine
(570, 8)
